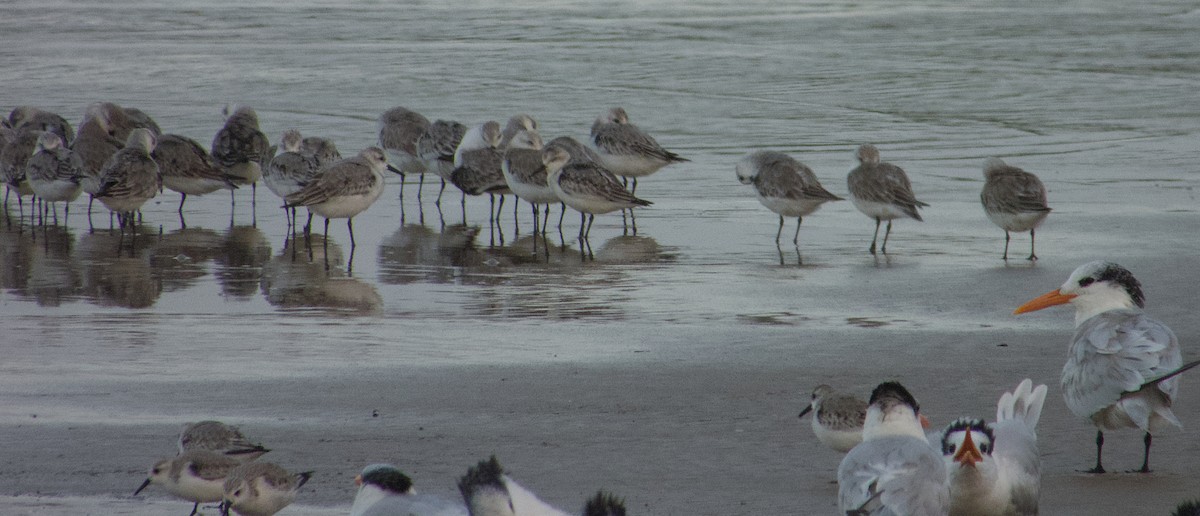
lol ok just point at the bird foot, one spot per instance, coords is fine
(1095, 471)
(1142, 470)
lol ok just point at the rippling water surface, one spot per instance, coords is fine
(1097, 97)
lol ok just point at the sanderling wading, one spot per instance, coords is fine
(881, 190)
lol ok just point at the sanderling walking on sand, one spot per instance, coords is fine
(1013, 199)
(197, 476)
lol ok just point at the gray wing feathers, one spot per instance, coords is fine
(1014, 192)
(525, 165)
(884, 183)
(480, 172)
(790, 179)
(181, 156)
(902, 474)
(54, 165)
(583, 180)
(129, 173)
(351, 176)
(239, 141)
(627, 139)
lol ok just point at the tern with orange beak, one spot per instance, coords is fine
(994, 469)
(1121, 363)
(895, 470)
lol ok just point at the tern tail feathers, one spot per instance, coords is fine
(1023, 404)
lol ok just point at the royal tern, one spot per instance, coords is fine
(837, 418)
(784, 185)
(489, 491)
(1121, 363)
(881, 190)
(1013, 199)
(994, 468)
(384, 490)
(260, 488)
(895, 470)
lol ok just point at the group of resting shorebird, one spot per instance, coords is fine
(120, 157)
(217, 464)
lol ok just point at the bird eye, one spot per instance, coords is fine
(983, 448)
(948, 448)
(1086, 281)
(237, 493)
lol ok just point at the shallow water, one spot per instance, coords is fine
(1097, 97)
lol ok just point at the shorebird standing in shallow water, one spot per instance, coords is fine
(477, 162)
(399, 130)
(586, 187)
(526, 174)
(344, 189)
(289, 171)
(1121, 364)
(54, 172)
(241, 148)
(626, 150)
(1013, 199)
(130, 178)
(837, 418)
(189, 169)
(881, 190)
(436, 149)
(785, 186)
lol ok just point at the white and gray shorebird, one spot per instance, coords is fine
(626, 150)
(579, 153)
(261, 488)
(241, 147)
(526, 174)
(290, 170)
(488, 491)
(122, 120)
(995, 468)
(130, 177)
(344, 189)
(784, 185)
(895, 470)
(197, 476)
(14, 159)
(384, 490)
(1121, 364)
(54, 171)
(189, 169)
(436, 148)
(1013, 199)
(94, 144)
(37, 119)
(399, 130)
(219, 437)
(321, 150)
(477, 165)
(881, 190)
(586, 187)
(516, 124)
(837, 418)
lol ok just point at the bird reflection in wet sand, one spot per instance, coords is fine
(40, 268)
(294, 279)
(240, 260)
(110, 278)
(180, 256)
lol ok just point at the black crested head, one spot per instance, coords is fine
(893, 392)
(1119, 275)
(604, 504)
(486, 474)
(968, 424)
(387, 477)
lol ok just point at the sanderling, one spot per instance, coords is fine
(130, 177)
(586, 187)
(384, 490)
(399, 130)
(626, 150)
(881, 191)
(197, 476)
(837, 418)
(895, 470)
(1013, 199)
(321, 150)
(241, 147)
(54, 171)
(94, 144)
(477, 165)
(516, 124)
(344, 189)
(219, 437)
(29, 117)
(290, 170)
(487, 490)
(188, 169)
(261, 488)
(526, 174)
(14, 159)
(436, 148)
(122, 120)
(784, 185)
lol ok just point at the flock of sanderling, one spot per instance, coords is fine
(217, 464)
(121, 157)
(1120, 373)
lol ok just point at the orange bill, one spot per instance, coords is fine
(968, 454)
(1047, 300)
(924, 421)
(358, 480)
